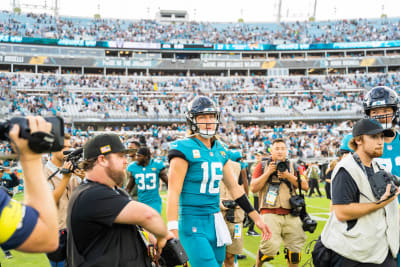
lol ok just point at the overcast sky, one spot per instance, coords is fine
(222, 10)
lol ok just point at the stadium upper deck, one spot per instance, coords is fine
(46, 26)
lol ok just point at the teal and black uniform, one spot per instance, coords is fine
(391, 156)
(199, 199)
(148, 182)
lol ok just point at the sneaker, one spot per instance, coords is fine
(241, 257)
(8, 254)
(252, 233)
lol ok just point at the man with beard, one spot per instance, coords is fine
(146, 173)
(102, 218)
(363, 229)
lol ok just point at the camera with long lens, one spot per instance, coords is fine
(380, 180)
(230, 213)
(73, 157)
(282, 165)
(297, 204)
(38, 142)
(298, 208)
(309, 225)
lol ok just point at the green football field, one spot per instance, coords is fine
(317, 207)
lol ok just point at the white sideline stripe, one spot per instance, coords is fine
(315, 207)
(318, 218)
(253, 256)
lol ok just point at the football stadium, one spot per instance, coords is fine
(201, 131)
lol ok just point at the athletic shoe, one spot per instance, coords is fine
(241, 257)
(252, 233)
(8, 254)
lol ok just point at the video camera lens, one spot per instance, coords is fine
(38, 142)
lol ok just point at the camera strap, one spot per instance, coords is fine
(359, 162)
(53, 174)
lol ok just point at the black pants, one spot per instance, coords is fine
(314, 184)
(328, 190)
(255, 202)
(340, 261)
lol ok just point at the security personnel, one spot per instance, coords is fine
(146, 173)
(276, 188)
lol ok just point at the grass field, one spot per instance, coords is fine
(318, 208)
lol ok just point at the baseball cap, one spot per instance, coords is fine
(370, 127)
(103, 144)
(259, 152)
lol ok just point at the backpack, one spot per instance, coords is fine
(314, 173)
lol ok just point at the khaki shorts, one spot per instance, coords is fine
(286, 228)
(237, 243)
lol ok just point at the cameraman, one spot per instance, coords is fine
(363, 229)
(276, 188)
(32, 226)
(62, 184)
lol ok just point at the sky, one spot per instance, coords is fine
(220, 10)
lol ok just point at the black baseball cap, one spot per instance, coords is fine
(370, 127)
(103, 144)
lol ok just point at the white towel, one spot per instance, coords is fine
(222, 231)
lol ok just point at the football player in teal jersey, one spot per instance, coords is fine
(197, 164)
(146, 173)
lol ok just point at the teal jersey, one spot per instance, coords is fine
(391, 156)
(200, 190)
(236, 156)
(147, 180)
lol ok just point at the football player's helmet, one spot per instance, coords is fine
(201, 105)
(379, 97)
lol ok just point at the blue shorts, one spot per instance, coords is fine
(197, 234)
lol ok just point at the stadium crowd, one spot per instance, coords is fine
(47, 26)
(138, 84)
(151, 97)
(304, 140)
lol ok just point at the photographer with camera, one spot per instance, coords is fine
(30, 226)
(232, 213)
(101, 218)
(276, 187)
(363, 229)
(63, 177)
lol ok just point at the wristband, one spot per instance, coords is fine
(244, 203)
(172, 225)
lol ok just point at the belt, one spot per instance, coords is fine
(278, 211)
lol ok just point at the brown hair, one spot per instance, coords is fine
(278, 140)
(89, 164)
(332, 165)
(353, 144)
(67, 136)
